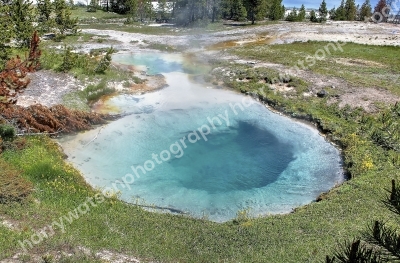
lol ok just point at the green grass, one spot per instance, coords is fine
(162, 47)
(304, 236)
(82, 14)
(385, 76)
(12, 186)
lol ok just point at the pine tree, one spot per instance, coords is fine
(22, 20)
(332, 13)
(239, 12)
(381, 8)
(302, 13)
(313, 16)
(215, 9)
(276, 10)
(119, 6)
(69, 59)
(105, 62)
(63, 18)
(145, 9)
(292, 16)
(340, 12)
(44, 9)
(323, 11)
(72, 5)
(131, 5)
(350, 10)
(226, 9)
(92, 7)
(6, 35)
(187, 12)
(256, 9)
(162, 9)
(366, 10)
(201, 11)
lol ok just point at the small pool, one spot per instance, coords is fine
(204, 152)
(152, 63)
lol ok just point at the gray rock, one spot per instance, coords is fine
(48, 36)
(322, 93)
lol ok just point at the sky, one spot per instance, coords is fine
(316, 3)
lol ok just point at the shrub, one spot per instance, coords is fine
(7, 132)
(93, 93)
(138, 80)
(104, 63)
(97, 51)
(59, 38)
(69, 60)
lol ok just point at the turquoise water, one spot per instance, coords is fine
(241, 150)
(152, 62)
(206, 152)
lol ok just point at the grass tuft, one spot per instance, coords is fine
(13, 187)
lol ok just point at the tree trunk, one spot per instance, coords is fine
(213, 14)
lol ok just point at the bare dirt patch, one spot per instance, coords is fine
(365, 98)
(359, 62)
(339, 90)
(48, 88)
(9, 223)
(70, 254)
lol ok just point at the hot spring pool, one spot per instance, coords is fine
(206, 152)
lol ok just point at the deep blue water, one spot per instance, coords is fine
(207, 152)
(238, 159)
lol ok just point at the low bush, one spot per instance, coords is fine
(77, 63)
(7, 132)
(93, 93)
(104, 62)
